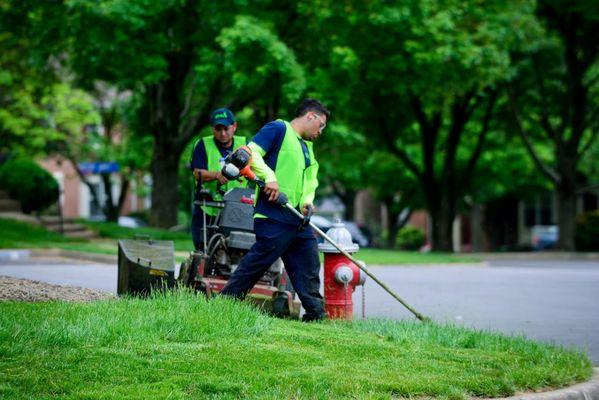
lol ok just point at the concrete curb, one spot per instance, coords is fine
(582, 391)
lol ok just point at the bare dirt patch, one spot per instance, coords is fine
(13, 289)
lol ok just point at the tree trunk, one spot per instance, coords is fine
(348, 198)
(392, 223)
(349, 202)
(566, 196)
(442, 214)
(165, 196)
(442, 192)
(112, 210)
(164, 100)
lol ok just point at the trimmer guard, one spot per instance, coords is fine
(145, 265)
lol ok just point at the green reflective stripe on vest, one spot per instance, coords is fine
(213, 158)
(292, 175)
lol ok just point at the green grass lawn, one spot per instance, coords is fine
(16, 234)
(394, 257)
(180, 346)
(111, 230)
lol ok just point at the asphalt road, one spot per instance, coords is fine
(552, 301)
(63, 272)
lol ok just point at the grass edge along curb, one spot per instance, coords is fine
(180, 343)
(581, 391)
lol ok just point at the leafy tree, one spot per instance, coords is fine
(113, 139)
(394, 186)
(426, 85)
(556, 95)
(341, 153)
(189, 58)
(26, 77)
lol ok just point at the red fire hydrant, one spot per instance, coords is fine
(341, 276)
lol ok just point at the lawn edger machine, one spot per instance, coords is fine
(145, 264)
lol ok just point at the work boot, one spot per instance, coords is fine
(313, 317)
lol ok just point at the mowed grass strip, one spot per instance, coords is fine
(178, 346)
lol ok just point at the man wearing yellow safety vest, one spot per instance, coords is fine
(208, 157)
(282, 156)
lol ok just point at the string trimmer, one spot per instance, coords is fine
(238, 164)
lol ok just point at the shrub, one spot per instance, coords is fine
(410, 238)
(587, 231)
(28, 183)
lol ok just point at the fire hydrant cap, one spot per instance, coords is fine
(342, 237)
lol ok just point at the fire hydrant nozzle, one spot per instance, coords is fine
(344, 274)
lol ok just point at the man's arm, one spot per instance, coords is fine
(208, 176)
(199, 163)
(264, 141)
(259, 166)
(262, 171)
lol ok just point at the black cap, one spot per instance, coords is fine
(222, 116)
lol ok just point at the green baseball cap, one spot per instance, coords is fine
(222, 116)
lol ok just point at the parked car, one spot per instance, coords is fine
(131, 222)
(126, 221)
(544, 237)
(321, 222)
(356, 234)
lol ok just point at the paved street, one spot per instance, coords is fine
(555, 301)
(63, 272)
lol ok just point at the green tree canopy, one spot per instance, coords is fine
(184, 58)
(426, 84)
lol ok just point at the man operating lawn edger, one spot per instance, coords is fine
(207, 160)
(282, 156)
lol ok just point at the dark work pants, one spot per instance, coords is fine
(299, 252)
